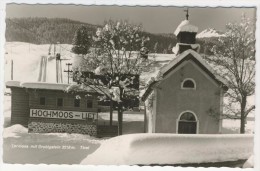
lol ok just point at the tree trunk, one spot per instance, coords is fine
(111, 113)
(120, 118)
(243, 118)
(120, 114)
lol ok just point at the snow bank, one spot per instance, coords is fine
(18, 131)
(249, 163)
(12, 131)
(71, 137)
(171, 149)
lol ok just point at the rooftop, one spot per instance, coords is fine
(57, 86)
(185, 26)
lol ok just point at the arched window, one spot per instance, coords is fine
(187, 116)
(188, 83)
(187, 123)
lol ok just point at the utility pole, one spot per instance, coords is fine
(58, 67)
(111, 112)
(68, 71)
(12, 69)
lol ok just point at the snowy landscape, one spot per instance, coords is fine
(59, 148)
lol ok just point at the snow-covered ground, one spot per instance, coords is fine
(171, 149)
(36, 147)
(53, 148)
(249, 163)
(232, 126)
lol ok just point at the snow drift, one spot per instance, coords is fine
(14, 130)
(171, 149)
(249, 163)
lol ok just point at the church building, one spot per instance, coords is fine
(186, 97)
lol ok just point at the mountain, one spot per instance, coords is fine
(207, 39)
(209, 32)
(43, 30)
(52, 30)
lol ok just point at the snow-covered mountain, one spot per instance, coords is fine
(209, 32)
(26, 59)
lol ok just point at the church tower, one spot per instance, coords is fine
(186, 36)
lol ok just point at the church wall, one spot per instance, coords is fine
(149, 113)
(172, 100)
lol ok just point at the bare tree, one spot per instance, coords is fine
(234, 60)
(155, 48)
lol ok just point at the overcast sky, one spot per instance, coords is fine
(153, 19)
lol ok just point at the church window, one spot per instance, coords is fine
(188, 84)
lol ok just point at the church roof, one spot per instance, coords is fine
(178, 60)
(185, 26)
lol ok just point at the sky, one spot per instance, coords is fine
(153, 19)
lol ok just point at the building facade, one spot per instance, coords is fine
(186, 97)
(49, 107)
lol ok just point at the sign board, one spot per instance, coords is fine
(60, 114)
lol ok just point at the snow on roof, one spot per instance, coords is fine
(37, 85)
(12, 83)
(164, 69)
(44, 85)
(198, 57)
(176, 48)
(185, 26)
(57, 86)
(158, 148)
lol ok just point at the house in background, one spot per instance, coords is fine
(186, 97)
(46, 106)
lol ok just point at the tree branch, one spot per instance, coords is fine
(249, 110)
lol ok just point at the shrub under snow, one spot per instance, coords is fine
(171, 149)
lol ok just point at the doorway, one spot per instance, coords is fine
(187, 123)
